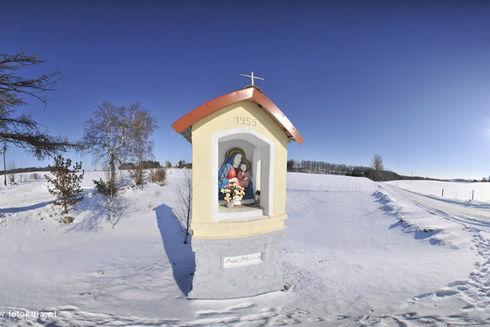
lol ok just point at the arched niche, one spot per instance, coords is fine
(259, 151)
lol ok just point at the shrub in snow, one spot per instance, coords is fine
(183, 209)
(137, 175)
(158, 175)
(110, 190)
(11, 174)
(65, 182)
(104, 188)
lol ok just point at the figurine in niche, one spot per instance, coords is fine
(244, 179)
(236, 169)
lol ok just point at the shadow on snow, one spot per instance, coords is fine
(92, 203)
(180, 255)
(26, 208)
(417, 232)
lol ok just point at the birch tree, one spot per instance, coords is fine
(140, 145)
(106, 137)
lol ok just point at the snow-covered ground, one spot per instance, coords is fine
(356, 253)
(460, 191)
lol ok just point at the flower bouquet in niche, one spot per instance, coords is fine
(234, 194)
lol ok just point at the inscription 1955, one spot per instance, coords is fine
(245, 121)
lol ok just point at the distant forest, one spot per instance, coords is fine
(321, 167)
(23, 170)
(302, 166)
(147, 164)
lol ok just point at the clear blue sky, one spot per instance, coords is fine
(408, 81)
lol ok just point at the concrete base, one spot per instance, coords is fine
(235, 268)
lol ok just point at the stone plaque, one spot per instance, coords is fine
(242, 260)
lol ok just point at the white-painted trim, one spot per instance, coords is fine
(239, 213)
(215, 138)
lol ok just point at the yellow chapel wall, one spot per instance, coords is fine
(204, 225)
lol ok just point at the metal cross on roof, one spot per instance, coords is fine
(252, 78)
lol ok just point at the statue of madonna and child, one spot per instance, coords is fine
(236, 168)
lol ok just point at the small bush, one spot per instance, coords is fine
(35, 176)
(158, 175)
(137, 175)
(110, 192)
(106, 188)
(65, 183)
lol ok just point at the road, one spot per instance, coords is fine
(468, 214)
(473, 293)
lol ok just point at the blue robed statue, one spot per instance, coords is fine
(236, 169)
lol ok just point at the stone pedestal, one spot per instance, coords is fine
(239, 267)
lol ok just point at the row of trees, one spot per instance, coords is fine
(375, 172)
(320, 167)
(12, 168)
(146, 164)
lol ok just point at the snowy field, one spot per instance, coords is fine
(356, 253)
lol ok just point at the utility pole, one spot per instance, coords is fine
(4, 151)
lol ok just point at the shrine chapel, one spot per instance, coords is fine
(239, 155)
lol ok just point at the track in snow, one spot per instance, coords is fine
(474, 292)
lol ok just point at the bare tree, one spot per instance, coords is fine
(4, 154)
(21, 130)
(139, 143)
(183, 209)
(106, 136)
(378, 166)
